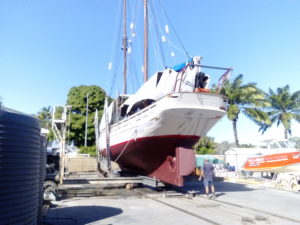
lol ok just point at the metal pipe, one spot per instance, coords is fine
(213, 67)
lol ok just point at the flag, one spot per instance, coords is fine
(224, 77)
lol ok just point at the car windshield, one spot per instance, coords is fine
(283, 144)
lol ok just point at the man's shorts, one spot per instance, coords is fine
(208, 182)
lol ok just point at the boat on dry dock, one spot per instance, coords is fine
(152, 132)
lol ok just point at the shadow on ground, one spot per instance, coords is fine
(84, 215)
(232, 187)
(220, 187)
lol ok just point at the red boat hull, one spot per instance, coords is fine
(281, 162)
(166, 158)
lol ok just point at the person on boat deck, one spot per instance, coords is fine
(208, 174)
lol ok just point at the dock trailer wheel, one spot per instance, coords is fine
(129, 186)
(50, 190)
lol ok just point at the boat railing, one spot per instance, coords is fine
(225, 76)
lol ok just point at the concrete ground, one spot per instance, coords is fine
(235, 204)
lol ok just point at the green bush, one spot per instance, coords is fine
(206, 145)
(91, 150)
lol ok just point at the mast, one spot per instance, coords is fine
(124, 43)
(145, 41)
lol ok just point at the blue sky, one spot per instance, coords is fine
(49, 46)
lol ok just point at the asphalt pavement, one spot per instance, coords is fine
(236, 203)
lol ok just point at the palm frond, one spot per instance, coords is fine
(297, 117)
(237, 81)
(257, 116)
(263, 128)
(296, 99)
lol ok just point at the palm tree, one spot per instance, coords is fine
(45, 116)
(284, 107)
(245, 98)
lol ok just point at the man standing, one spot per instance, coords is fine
(208, 173)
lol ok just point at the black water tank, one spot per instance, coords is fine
(20, 162)
(42, 176)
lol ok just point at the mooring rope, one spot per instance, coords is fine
(134, 132)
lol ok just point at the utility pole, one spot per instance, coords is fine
(86, 118)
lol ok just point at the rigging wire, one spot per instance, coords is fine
(174, 46)
(115, 31)
(155, 51)
(118, 26)
(136, 12)
(115, 74)
(134, 71)
(133, 74)
(113, 54)
(157, 63)
(156, 42)
(130, 139)
(152, 41)
(156, 26)
(132, 39)
(169, 21)
(165, 47)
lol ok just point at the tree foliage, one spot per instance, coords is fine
(77, 99)
(245, 98)
(91, 150)
(284, 107)
(247, 146)
(206, 145)
(296, 140)
(45, 116)
(224, 146)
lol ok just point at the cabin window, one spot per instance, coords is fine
(124, 110)
(282, 144)
(274, 145)
(159, 75)
(140, 105)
